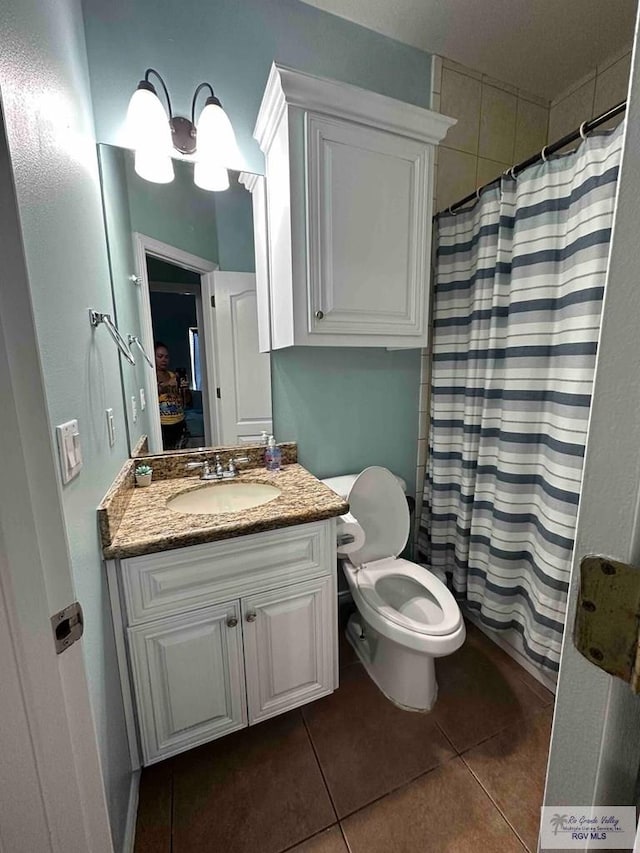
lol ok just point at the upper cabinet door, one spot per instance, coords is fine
(349, 202)
(368, 206)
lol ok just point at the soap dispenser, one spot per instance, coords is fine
(272, 456)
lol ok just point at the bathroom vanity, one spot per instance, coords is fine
(233, 627)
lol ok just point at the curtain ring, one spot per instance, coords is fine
(451, 213)
(543, 154)
(478, 191)
(582, 131)
(512, 173)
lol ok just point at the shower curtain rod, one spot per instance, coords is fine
(580, 132)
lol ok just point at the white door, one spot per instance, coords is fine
(595, 746)
(288, 640)
(52, 794)
(189, 679)
(244, 373)
(368, 209)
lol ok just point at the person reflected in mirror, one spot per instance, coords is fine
(183, 385)
(172, 418)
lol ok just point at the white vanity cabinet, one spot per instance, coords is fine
(215, 637)
(349, 202)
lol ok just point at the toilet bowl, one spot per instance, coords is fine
(405, 615)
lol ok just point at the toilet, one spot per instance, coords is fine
(405, 616)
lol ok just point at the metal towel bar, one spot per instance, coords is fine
(97, 317)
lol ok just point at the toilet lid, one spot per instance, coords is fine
(379, 505)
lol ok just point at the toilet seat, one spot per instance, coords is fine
(399, 592)
(440, 612)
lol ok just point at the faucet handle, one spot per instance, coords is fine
(218, 466)
(191, 466)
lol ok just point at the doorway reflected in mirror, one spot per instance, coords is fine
(182, 266)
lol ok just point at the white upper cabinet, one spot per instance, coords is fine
(349, 204)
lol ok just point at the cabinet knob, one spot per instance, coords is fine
(251, 617)
(319, 315)
(232, 622)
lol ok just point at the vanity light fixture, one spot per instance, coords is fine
(154, 134)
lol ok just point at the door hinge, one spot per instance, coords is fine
(68, 625)
(213, 302)
(218, 395)
(606, 630)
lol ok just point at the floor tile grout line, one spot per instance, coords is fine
(344, 837)
(447, 738)
(318, 762)
(309, 838)
(398, 787)
(495, 804)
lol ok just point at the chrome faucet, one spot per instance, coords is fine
(216, 470)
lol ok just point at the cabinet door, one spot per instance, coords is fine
(368, 230)
(188, 679)
(289, 637)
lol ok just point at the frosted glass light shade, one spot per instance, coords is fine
(153, 166)
(216, 141)
(148, 123)
(210, 177)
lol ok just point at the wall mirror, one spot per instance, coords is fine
(182, 269)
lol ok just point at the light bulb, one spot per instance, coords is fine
(216, 141)
(147, 121)
(210, 177)
(153, 166)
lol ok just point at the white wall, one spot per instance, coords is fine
(49, 125)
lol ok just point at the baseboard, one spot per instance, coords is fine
(132, 813)
(519, 657)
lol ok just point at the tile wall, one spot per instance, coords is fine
(498, 125)
(603, 87)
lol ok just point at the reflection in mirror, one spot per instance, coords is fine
(182, 269)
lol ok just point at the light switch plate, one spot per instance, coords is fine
(69, 450)
(143, 400)
(111, 427)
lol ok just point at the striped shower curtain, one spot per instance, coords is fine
(519, 288)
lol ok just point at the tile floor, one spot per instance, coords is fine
(351, 772)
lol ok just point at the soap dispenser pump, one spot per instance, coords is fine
(272, 456)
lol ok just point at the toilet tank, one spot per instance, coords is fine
(341, 485)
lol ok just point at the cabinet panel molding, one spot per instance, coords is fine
(289, 646)
(188, 676)
(174, 581)
(349, 200)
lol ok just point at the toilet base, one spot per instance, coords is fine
(406, 677)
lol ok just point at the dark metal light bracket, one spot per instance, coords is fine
(183, 135)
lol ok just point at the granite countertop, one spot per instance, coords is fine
(148, 525)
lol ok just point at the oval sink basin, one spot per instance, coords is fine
(217, 498)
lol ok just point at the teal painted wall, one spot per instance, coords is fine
(113, 175)
(233, 45)
(179, 213)
(49, 126)
(348, 408)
